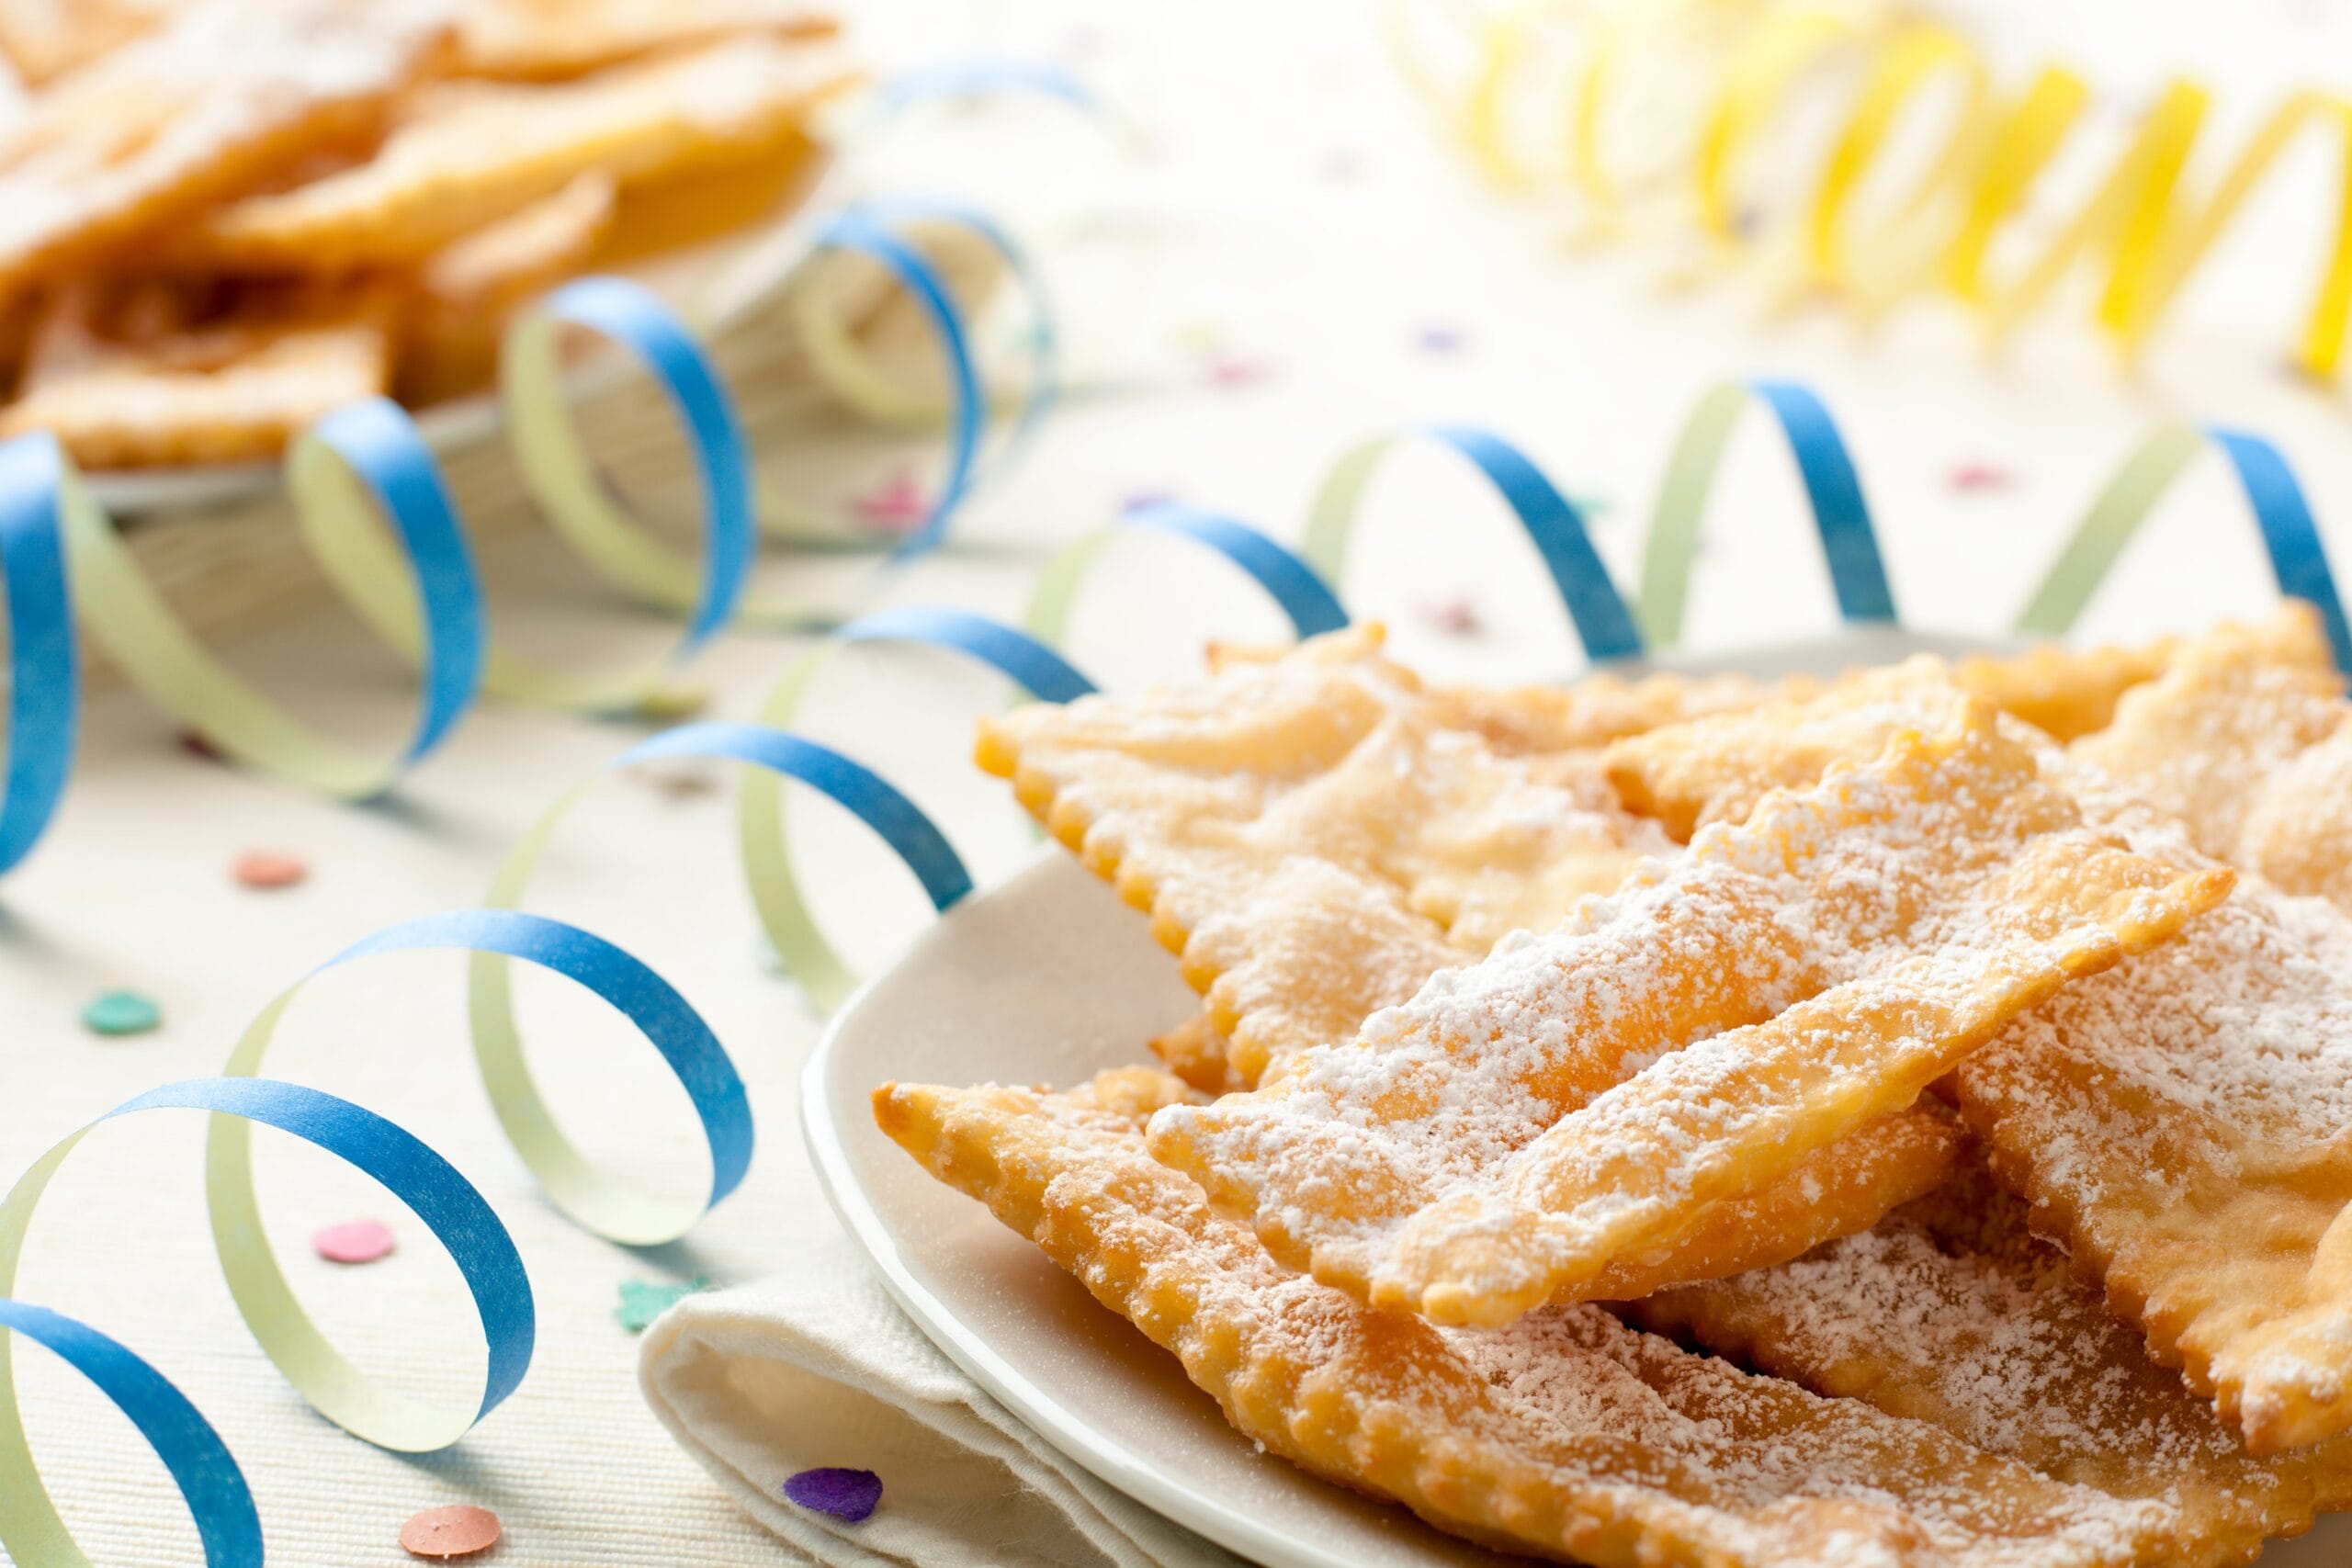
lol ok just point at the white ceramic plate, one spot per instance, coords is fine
(1048, 979)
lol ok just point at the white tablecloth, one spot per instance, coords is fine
(1313, 225)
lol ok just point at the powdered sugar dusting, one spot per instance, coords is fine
(1319, 833)
(1952, 1312)
(1565, 1423)
(1920, 898)
(2186, 1120)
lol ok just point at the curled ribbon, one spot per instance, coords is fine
(2142, 229)
(1840, 517)
(2282, 519)
(1297, 583)
(201, 1466)
(411, 577)
(431, 1188)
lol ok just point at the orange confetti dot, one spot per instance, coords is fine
(269, 868)
(444, 1533)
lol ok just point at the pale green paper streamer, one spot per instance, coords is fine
(1331, 519)
(581, 508)
(335, 1388)
(572, 1182)
(34, 1526)
(611, 1209)
(1673, 542)
(565, 482)
(1056, 588)
(822, 327)
(763, 842)
(2107, 528)
(139, 631)
(338, 522)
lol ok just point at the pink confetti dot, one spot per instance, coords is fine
(269, 869)
(895, 505)
(444, 1533)
(1972, 477)
(1455, 616)
(1237, 371)
(354, 1241)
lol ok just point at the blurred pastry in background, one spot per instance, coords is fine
(216, 221)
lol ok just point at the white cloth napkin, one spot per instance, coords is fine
(817, 1367)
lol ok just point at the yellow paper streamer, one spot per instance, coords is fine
(2141, 232)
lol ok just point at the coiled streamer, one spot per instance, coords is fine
(45, 521)
(2139, 231)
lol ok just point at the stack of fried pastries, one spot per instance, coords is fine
(1898, 1119)
(221, 218)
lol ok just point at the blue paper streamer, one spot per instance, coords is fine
(1041, 671)
(897, 821)
(458, 1216)
(1603, 624)
(1045, 332)
(651, 1005)
(636, 318)
(200, 1464)
(44, 682)
(2289, 535)
(868, 234)
(1849, 542)
(379, 442)
(1297, 588)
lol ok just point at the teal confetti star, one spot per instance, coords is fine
(641, 1302)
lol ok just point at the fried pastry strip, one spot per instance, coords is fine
(460, 299)
(1716, 768)
(150, 373)
(2146, 713)
(2185, 1125)
(1954, 1312)
(1578, 1098)
(2061, 691)
(543, 39)
(44, 39)
(2202, 743)
(2247, 740)
(2298, 829)
(469, 153)
(1568, 1435)
(222, 98)
(1315, 834)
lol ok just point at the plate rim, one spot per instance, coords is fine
(1197, 1511)
(1064, 1430)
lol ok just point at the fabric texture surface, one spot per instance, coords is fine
(816, 1366)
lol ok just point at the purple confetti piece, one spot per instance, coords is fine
(847, 1494)
(1440, 340)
